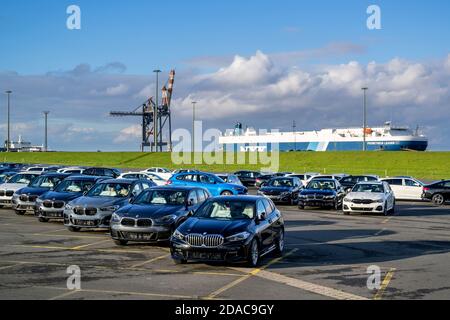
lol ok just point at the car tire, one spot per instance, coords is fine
(280, 244)
(336, 205)
(226, 193)
(393, 209)
(19, 212)
(74, 229)
(121, 242)
(438, 199)
(180, 261)
(385, 212)
(253, 254)
(43, 219)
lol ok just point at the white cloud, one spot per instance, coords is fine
(129, 134)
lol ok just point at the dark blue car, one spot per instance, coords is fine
(284, 190)
(155, 214)
(322, 193)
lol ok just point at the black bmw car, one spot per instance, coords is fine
(283, 190)
(322, 193)
(155, 214)
(51, 204)
(24, 199)
(438, 192)
(230, 229)
(248, 178)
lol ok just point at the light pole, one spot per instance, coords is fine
(364, 118)
(155, 113)
(46, 131)
(8, 139)
(294, 126)
(193, 125)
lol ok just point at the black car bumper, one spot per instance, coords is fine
(180, 250)
(317, 203)
(149, 235)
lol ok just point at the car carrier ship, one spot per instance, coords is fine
(383, 138)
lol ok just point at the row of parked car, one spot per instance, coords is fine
(202, 216)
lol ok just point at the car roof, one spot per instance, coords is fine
(178, 188)
(55, 174)
(83, 178)
(129, 181)
(239, 198)
(372, 182)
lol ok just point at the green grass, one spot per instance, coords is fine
(426, 165)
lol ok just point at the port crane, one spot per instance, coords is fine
(155, 118)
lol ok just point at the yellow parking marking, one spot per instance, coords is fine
(144, 294)
(308, 286)
(246, 276)
(150, 261)
(89, 245)
(65, 295)
(71, 249)
(53, 231)
(65, 235)
(384, 284)
(11, 266)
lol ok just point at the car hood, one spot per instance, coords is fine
(12, 186)
(276, 189)
(32, 191)
(62, 196)
(306, 192)
(98, 201)
(364, 196)
(225, 228)
(149, 211)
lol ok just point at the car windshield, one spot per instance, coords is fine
(45, 182)
(321, 185)
(226, 210)
(113, 190)
(281, 183)
(373, 188)
(74, 186)
(162, 197)
(22, 178)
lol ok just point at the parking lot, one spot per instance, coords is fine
(327, 257)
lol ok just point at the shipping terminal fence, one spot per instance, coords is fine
(428, 166)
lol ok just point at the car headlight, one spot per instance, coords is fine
(110, 208)
(178, 235)
(167, 219)
(238, 237)
(347, 200)
(329, 197)
(379, 201)
(115, 218)
(302, 196)
(285, 194)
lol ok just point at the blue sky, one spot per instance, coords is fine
(200, 37)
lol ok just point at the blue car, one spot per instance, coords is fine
(208, 181)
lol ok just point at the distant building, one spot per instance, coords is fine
(22, 146)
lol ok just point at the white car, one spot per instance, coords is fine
(36, 169)
(71, 170)
(156, 178)
(304, 177)
(406, 188)
(164, 173)
(370, 197)
(16, 182)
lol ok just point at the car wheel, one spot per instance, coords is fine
(393, 208)
(385, 212)
(19, 212)
(253, 254)
(438, 199)
(280, 244)
(180, 261)
(336, 205)
(121, 242)
(226, 193)
(74, 229)
(43, 219)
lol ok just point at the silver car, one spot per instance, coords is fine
(95, 208)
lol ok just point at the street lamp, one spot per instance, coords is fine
(364, 118)
(46, 131)
(8, 140)
(193, 125)
(155, 113)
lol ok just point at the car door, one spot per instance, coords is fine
(273, 218)
(264, 227)
(413, 189)
(446, 190)
(389, 195)
(208, 183)
(396, 185)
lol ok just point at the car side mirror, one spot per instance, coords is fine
(260, 217)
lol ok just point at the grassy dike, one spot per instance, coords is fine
(425, 165)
